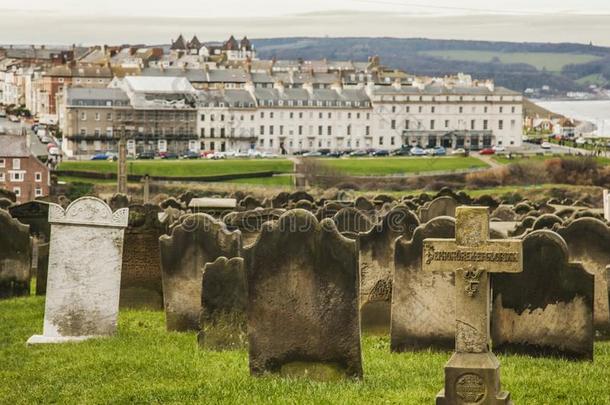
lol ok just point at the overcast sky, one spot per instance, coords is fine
(145, 21)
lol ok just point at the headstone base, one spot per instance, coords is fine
(473, 378)
(41, 339)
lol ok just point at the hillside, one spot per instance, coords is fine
(561, 67)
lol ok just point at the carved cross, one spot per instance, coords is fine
(472, 256)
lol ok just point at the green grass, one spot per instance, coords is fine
(400, 165)
(267, 181)
(604, 161)
(552, 62)
(145, 364)
(594, 78)
(184, 167)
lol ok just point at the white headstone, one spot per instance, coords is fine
(84, 278)
(607, 205)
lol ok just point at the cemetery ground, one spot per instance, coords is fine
(145, 364)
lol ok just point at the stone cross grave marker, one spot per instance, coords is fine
(472, 374)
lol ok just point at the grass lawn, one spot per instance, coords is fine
(184, 167)
(504, 160)
(552, 62)
(145, 364)
(400, 165)
(287, 181)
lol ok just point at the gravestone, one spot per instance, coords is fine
(15, 257)
(423, 304)
(504, 213)
(118, 200)
(363, 204)
(223, 305)
(588, 241)
(305, 205)
(171, 202)
(36, 215)
(281, 200)
(196, 240)
(84, 276)
(141, 286)
(42, 269)
(303, 299)
(439, 207)
(250, 223)
(5, 203)
(216, 207)
(249, 203)
(376, 250)
(547, 310)
(351, 221)
(9, 195)
(546, 221)
(300, 195)
(472, 375)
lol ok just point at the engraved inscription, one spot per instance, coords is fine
(472, 277)
(470, 388)
(463, 255)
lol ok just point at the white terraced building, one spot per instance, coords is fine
(287, 120)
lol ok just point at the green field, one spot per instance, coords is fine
(184, 167)
(595, 78)
(520, 159)
(400, 165)
(552, 62)
(145, 364)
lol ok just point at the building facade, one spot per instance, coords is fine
(20, 171)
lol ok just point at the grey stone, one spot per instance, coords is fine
(303, 300)
(439, 207)
(196, 240)
(42, 268)
(224, 296)
(36, 215)
(423, 304)
(363, 204)
(546, 221)
(15, 257)
(588, 242)
(5, 203)
(547, 310)
(250, 223)
(504, 213)
(376, 249)
(82, 297)
(141, 286)
(118, 201)
(9, 195)
(249, 203)
(351, 221)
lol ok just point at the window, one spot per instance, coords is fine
(2, 178)
(501, 110)
(432, 109)
(270, 129)
(262, 131)
(392, 141)
(500, 124)
(38, 177)
(380, 140)
(16, 164)
(512, 124)
(367, 131)
(472, 124)
(446, 123)
(97, 116)
(329, 130)
(393, 124)
(432, 124)
(513, 109)
(407, 124)
(17, 191)
(202, 117)
(83, 116)
(320, 130)
(485, 125)
(222, 132)
(2, 163)
(109, 117)
(408, 109)
(202, 132)
(17, 176)
(300, 129)
(461, 110)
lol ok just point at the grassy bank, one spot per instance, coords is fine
(145, 364)
(400, 165)
(184, 167)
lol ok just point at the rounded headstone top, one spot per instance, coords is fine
(88, 211)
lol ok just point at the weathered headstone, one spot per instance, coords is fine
(548, 308)
(376, 249)
(303, 299)
(42, 269)
(588, 242)
(351, 221)
(198, 239)
(215, 207)
(250, 223)
(36, 215)
(141, 285)
(117, 201)
(439, 207)
(472, 375)
(224, 296)
(15, 257)
(84, 276)
(423, 304)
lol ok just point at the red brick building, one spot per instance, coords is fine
(20, 171)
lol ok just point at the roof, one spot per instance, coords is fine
(180, 44)
(149, 84)
(95, 96)
(80, 71)
(13, 146)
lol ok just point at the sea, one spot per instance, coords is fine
(594, 111)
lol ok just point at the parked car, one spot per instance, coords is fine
(168, 155)
(241, 154)
(54, 151)
(487, 151)
(439, 151)
(499, 148)
(358, 153)
(459, 152)
(335, 154)
(402, 151)
(417, 151)
(189, 154)
(99, 156)
(217, 156)
(146, 155)
(546, 145)
(312, 154)
(269, 155)
(13, 118)
(324, 152)
(381, 152)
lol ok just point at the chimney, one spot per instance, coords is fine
(309, 87)
(397, 84)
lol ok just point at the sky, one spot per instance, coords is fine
(144, 21)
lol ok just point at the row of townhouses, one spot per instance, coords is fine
(221, 97)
